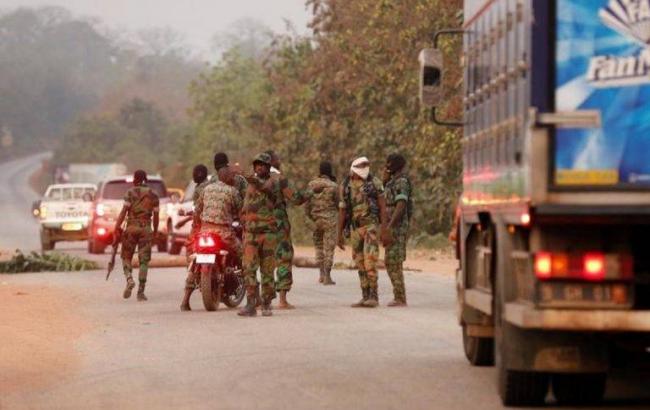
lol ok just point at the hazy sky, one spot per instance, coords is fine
(198, 20)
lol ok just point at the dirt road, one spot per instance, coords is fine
(68, 341)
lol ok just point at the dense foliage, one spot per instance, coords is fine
(349, 90)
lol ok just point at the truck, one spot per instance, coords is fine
(553, 285)
(64, 213)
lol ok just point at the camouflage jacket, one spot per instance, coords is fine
(141, 203)
(219, 204)
(260, 214)
(359, 203)
(198, 190)
(240, 184)
(298, 197)
(323, 205)
(398, 188)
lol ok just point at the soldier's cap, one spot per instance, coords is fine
(263, 158)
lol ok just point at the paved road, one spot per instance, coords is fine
(321, 355)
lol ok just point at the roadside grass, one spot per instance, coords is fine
(45, 262)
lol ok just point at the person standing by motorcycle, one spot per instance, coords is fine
(140, 207)
(261, 231)
(218, 206)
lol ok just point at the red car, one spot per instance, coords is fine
(108, 204)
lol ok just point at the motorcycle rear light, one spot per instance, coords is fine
(206, 242)
(101, 231)
(588, 266)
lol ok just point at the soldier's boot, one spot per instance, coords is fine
(266, 307)
(185, 304)
(373, 299)
(400, 299)
(141, 295)
(328, 278)
(283, 304)
(365, 293)
(130, 284)
(321, 278)
(258, 298)
(251, 300)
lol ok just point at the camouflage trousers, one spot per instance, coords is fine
(365, 252)
(325, 242)
(395, 257)
(137, 236)
(284, 260)
(259, 253)
(228, 238)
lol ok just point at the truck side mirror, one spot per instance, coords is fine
(430, 77)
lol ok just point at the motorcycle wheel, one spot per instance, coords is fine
(209, 294)
(236, 291)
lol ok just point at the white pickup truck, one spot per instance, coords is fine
(65, 213)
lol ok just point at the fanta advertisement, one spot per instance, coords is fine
(603, 63)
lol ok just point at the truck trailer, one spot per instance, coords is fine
(553, 283)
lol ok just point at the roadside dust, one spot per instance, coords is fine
(38, 331)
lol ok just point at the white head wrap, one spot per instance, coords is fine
(361, 167)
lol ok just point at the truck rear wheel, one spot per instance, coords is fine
(579, 389)
(516, 387)
(478, 350)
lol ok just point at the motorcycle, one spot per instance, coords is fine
(218, 271)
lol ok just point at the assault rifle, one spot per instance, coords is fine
(117, 238)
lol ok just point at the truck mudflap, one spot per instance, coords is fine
(528, 317)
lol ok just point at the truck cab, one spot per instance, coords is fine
(553, 283)
(64, 213)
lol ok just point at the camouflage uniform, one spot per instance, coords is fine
(141, 202)
(398, 188)
(261, 232)
(284, 251)
(240, 184)
(364, 237)
(217, 207)
(196, 218)
(323, 210)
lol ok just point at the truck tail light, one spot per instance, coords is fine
(543, 265)
(593, 266)
(588, 266)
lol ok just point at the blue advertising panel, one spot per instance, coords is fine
(603, 63)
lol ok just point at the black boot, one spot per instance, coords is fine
(365, 292)
(266, 307)
(141, 295)
(249, 310)
(373, 299)
(328, 278)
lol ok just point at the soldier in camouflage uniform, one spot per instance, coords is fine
(200, 178)
(322, 209)
(398, 209)
(220, 161)
(362, 206)
(140, 206)
(217, 207)
(284, 252)
(261, 231)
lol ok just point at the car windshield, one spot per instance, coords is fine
(117, 189)
(69, 193)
